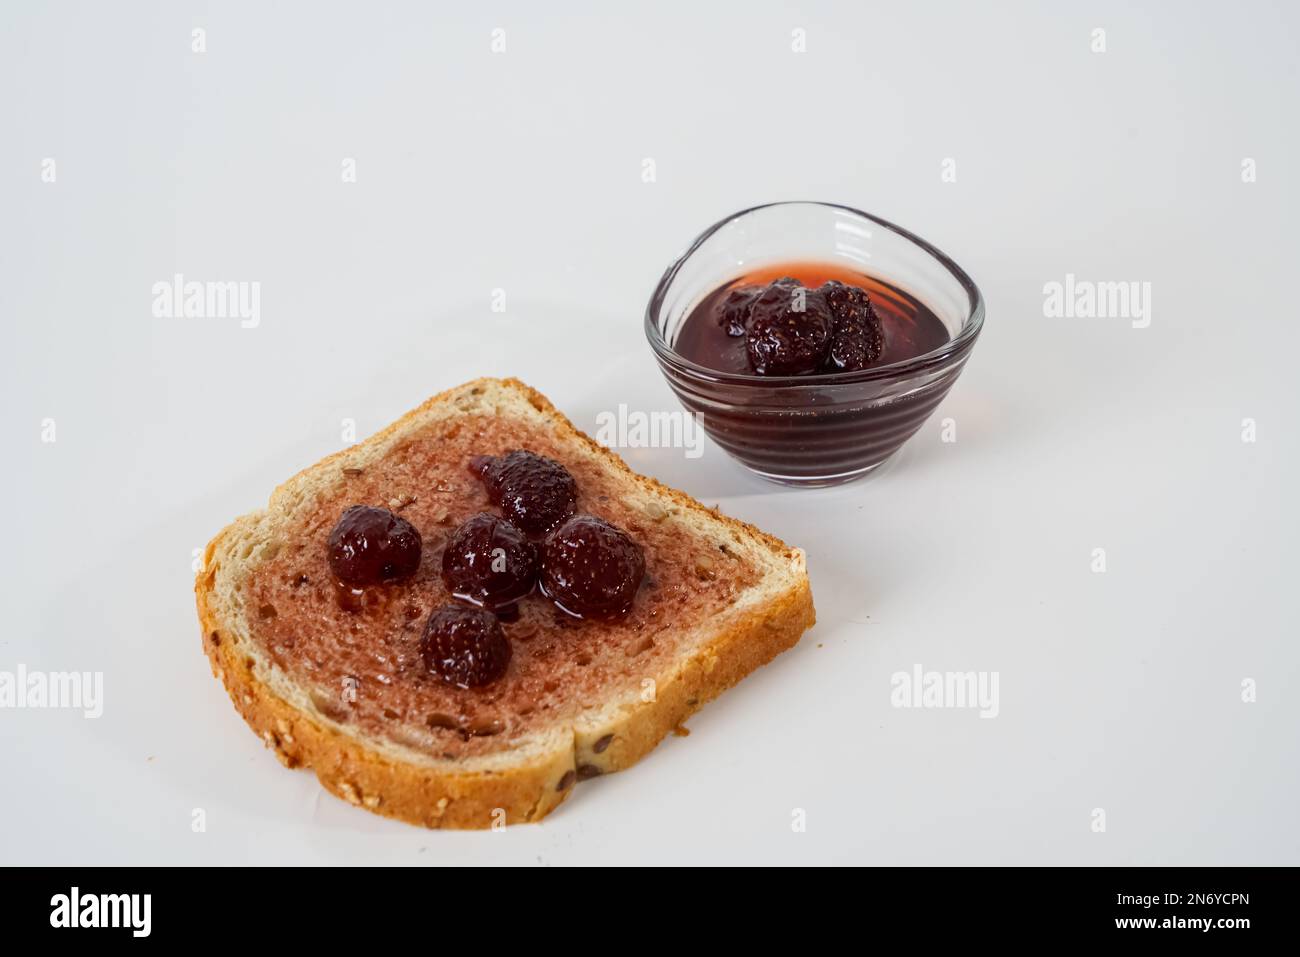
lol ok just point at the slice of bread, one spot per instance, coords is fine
(333, 681)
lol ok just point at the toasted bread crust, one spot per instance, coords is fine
(531, 788)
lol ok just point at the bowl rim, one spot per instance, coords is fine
(936, 358)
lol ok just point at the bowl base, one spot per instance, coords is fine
(818, 481)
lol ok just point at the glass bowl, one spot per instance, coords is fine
(828, 428)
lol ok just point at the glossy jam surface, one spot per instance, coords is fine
(360, 652)
(816, 426)
(907, 327)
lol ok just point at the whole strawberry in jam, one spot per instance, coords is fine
(734, 312)
(371, 545)
(465, 646)
(591, 569)
(534, 492)
(793, 330)
(857, 340)
(789, 329)
(489, 562)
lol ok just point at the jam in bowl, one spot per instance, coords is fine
(812, 340)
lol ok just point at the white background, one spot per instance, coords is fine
(523, 171)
